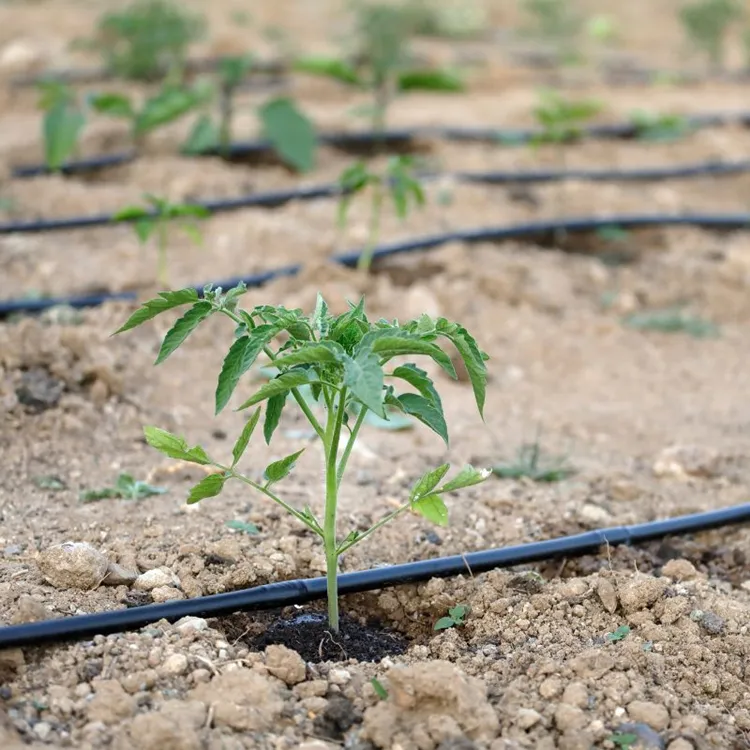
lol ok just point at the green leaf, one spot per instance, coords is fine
(467, 477)
(290, 132)
(191, 210)
(432, 508)
(380, 691)
(363, 376)
(458, 613)
(183, 327)
(321, 318)
(444, 623)
(144, 228)
(329, 67)
(175, 446)
(282, 468)
(419, 379)
(278, 386)
(203, 137)
(429, 412)
(113, 105)
(240, 358)
(394, 343)
(429, 80)
(472, 357)
(619, 634)
(324, 352)
(167, 106)
(152, 308)
(428, 481)
(210, 486)
(244, 526)
(244, 438)
(130, 213)
(274, 408)
(62, 126)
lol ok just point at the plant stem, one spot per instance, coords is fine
(382, 522)
(365, 259)
(350, 443)
(225, 125)
(161, 262)
(333, 434)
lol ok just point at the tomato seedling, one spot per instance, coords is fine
(62, 123)
(126, 488)
(157, 218)
(398, 181)
(557, 23)
(456, 617)
(347, 361)
(706, 24)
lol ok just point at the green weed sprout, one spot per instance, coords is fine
(157, 218)
(672, 320)
(397, 181)
(530, 463)
(706, 23)
(147, 39)
(650, 126)
(455, 618)
(556, 23)
(125, 488)
(561, 120)
(62, 123)
(347, 361)
(383, 62)
(168, 105)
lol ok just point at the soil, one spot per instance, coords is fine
(650, 641)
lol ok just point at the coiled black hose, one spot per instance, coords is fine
(301, 591)
(542, 231)
(403, 138)
(274, 199)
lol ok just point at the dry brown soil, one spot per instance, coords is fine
(656, 425)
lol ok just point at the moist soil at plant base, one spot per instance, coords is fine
(569, 654)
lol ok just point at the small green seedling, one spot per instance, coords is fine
(245, 527)
(672, 320)
(126, 488)
(380, 691)
(147, 39)
(706, 24)
(620, 634)
(456, 616)
(561, 120)
(167, 106)
(398, 181)
(555, 22)
(459, 19)
(348, 361)
(531, 464)
(650, 126)
(50, 482)
(62, 123)
(158, 217)
(623, 740)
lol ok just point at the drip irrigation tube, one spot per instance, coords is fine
(281, 197)
(540, 230)
(301, 591)
(398, 138)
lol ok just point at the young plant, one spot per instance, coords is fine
(147, 40)
(347, 360)
(672, 320)
(651, 126)
(125, 488)
(531, 464)
(157, 218)
(556, 23)
(706, 23)
(455, 618)
(398, 182)
(167, 106)
(62, 123)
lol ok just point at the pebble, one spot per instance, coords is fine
(646, 712)
(29, 609)
(174, 664)
(607, 594)
(679, 570)
(680, 744)
(156, 578)
(119, 576)
(285, 664)
(42, 729)
(339, 676)
(73, 565)
(191, 625)
(575, 694)
(570, 718)
(166, 594)
(711, 623)
(527, 718)
(199, 676)
(641, 593)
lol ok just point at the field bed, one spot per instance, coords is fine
(573, 653)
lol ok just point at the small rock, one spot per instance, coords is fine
(156, 578)
(190, 625)
(607, 594)
(648, 739)
(285, 664)
(673, 609)
(39, 390)
(679, 570)
(681, 461)
(641, 593)
(592, 664)
(339, 676)
(119, 576)
(110, 704)
(646, 712)
(73, 565)
(174, 664)
(43, 730)
(20, 55)
(570, 718)
(711, 623)
(527, 718)
(594, 514)
(575, 694)
(550, 687)
(166, 594)
(310, 689)
(680, 744)
(155, 731)
(199, 676)
(29, 609)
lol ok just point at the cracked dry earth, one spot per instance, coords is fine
(641, 647)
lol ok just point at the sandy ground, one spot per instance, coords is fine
(655, 425)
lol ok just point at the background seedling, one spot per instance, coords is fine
(398, 181)
(672, 320)
(147, 39)
(244, 527)
(157, 218)
(380, 691)
(62, 123)
(619, 634)
(706, 23)
(623, 740)
(347, 360)
(651, 126)
(555, 22)
(531, 464)
(456, 616)
(125, 488)
(167, 106)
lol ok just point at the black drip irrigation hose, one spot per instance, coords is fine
(301, 591)
(540, 230)
(275, 199)
(403, 138)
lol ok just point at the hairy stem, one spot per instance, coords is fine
(333, 435)
(350, 443)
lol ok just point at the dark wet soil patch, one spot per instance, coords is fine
(308, 634)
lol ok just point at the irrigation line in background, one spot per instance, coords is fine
(402, 138)
(301, 591)
(279, 198)
(539, 230)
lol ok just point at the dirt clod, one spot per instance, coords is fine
(647, 712)
(285, 664)
(73, 565)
